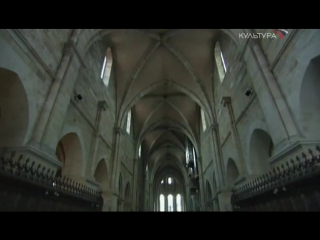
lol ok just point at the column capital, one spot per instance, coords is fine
(102, 105)
(225, 100)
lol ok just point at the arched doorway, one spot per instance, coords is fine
(261, 149)
(69, 153)
(14, 110)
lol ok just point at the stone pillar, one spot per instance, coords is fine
(226, 102)
(224, 198)
(174, 205)
(218, 159)
(134, 183)
(187, 197)
(215, 205)
(151, 204)
(201, 185)
(116, 162)
(276, 111)
(102, 106)
(166, 203)
(110, 201)
(51, 118)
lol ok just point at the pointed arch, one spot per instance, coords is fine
(232, 171)
(101, 174)
(69, 153)
(14, 110)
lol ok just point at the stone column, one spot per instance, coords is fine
(226, 102)
(187, 198)
(151, 204)
(116, 163)
(224, 198)
(276, 111)
(51, 118)
(201, 185)
(102, 106)
(134, 182)
(174, 205)
(166, 203)
(218, 159)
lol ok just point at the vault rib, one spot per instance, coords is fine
(175, 124)
(181, 114)
(192, 72)
(152, 112)
(153, 86)
(161, 134)
(141, 63)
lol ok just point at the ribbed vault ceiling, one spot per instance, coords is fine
(156, 74)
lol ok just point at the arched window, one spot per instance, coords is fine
(106, 67)
(179, 201)
(220, 61)
(128, 122)
(139, 153)
(169, 180)
(162, 203)
(203, 119)
(170, 203)
(162, 181)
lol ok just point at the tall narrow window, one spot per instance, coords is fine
(187, 154)
(223, 62)
(129, 122)
(220, 62)
(139, 153)
(103, 67)
(204, 125)
(170, 203)
(179, 201)
(194, 157)
(106, 67)
(162, 203)
(169, 180)
(162, 181)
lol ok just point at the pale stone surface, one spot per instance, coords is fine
(164, 76)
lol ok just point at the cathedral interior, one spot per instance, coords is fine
(159, 120)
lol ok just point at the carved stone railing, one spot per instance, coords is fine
(39, 176)
(277, 179)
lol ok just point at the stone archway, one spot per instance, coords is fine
(232, 172)
(69, 153)
(101, 174)
(260, 150)
(14, 110)
(310, 100)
